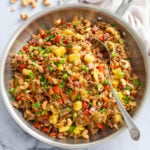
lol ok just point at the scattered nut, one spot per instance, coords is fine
(44, 104)
(32, 3)
(13, 1)
(24, 3)
(57, 22)
(46, 3)
(24, 16)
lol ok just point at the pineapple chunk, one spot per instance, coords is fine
(83, 93)
(53, 48)
(76, 22)
(82, 80)
(117, 73)
(118, 118)
(75, 69)
(95, 74)
(78, 129)
(60, 67)
(120, 95)
(68, 32)
(77, 105)
(115, 83)
(64, 128)
(26, 71)
(60, 51)
(76, 49)
(53, 119)
(74, 95)
(79, 36)
(73, 57)
(88, 58)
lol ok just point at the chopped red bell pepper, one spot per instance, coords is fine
(86, 119)
(101, 126)
(101, 38)
(22, 66)
(69, 24)
(86, 112)
(106, 87)
(37, 125)
(57, 39)
(57, 89)
(63, 96)
(60, 101)
(25, 48)
(53, 134)
(85, 104)
(45, 129)
(43, 34)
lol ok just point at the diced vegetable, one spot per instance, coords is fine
(68, 91)
(65, 75)
(77, 105)
(118, 73)
(102, 110)
(53, 119)
(36, 105)
(68, 45)
(61, 84)
(75, 115)
(73, 57)
(68, 109)
(88, 58)
(31, 74)
(68, 32)
(136, 82)
(84, 67)
(128, 88)
(78, 129)
(105, 82)
(83, 93)
(11, 90)
(99, 87)
(60, 51)
(79, 36)
(51, 69)
(71, 129)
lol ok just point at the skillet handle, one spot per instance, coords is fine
(61, 2)
(123, 7)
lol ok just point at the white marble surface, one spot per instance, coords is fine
(13, 137)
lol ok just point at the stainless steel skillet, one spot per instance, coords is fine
(45, 19)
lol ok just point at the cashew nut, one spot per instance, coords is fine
(66, 128)
(24, 3)
(125, 64)
(46, 3)
(57, 22)
(85, 134)
(123, 83)
(24, 86)
(44, 104)
(126, 92)
(87, 23)
(24, 16)
(39, 68)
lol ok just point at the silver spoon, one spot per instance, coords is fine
(133, 130)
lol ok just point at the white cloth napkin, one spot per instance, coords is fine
(137, 15)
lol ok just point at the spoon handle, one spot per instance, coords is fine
(133, 130)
